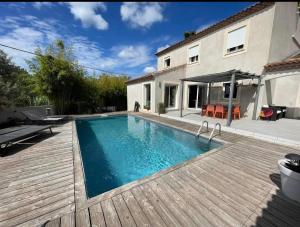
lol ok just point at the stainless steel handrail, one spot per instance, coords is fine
(212, 132)
(200, 129)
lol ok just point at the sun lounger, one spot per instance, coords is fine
(37, 118)
(13, 134)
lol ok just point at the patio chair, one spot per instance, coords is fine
(36, 118)
(17, 133)
(210, 109)
(220, 110)
(236, 112)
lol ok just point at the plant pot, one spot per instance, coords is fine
(290, 181)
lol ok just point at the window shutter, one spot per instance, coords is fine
(236, 37)
(193, 51)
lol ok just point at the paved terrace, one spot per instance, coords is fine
(237, 185)
(283, 131)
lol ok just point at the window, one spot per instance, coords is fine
(226, 90)
(193, 54)
(236, 40)
(167, 62)
(170, 96)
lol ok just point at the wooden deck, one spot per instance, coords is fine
(237, 185)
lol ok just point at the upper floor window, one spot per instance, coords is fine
(167, 62)
(236, 40)
(193, 54)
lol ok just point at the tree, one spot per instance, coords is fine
(58, 76)
(16, 85)
(113, 90)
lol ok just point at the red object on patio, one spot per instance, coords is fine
(220, 110)
(210, 109)
(236, 112)
(266, 113)
(203, 110)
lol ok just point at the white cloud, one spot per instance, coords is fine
(162, 48)
(133, 55)
(204, 26)
(86, 13)
(29, 32)
(141, 14)
(89, 54)
(149, 69)
(39, 5)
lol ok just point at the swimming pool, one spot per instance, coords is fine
(117, 150)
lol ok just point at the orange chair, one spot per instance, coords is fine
(236, 112)
(220, 110)
(210, 109)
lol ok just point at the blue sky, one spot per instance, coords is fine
(119, 37)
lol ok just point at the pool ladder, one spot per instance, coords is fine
(212, 132)
(200, 129)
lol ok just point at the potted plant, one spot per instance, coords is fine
(147, 107)
(161, 108)
(290, 178)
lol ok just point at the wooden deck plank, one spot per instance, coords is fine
(36, 200)
(184, 211)
(68, 220)
(153, 217)
(110, 214)
(203, 213)
(204, 188)
(135, 210)
(124, 214)
(82, 218)
(166, 215)
(214, 207)
(53, 223)
(96, 215)
(176, 211)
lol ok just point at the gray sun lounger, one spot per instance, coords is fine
(13, 134)
(37, 118)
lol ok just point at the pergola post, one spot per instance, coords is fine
(181, 96)
(256, 99)
(209, 93)
(229, 119)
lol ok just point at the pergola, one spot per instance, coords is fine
(232, 76)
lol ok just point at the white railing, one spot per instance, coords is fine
(212, 132)
(200, 129)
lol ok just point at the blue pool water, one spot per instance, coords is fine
(119, 149)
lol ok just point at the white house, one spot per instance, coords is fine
(251, 41)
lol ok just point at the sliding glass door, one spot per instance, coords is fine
(196, 96)
(170, 96)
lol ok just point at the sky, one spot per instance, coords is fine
(117, 37)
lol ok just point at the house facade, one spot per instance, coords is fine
(262, 34)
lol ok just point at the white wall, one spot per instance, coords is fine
(212, 47)
(135, 92)
(284, 26)
(171, 77)
(283, 90)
